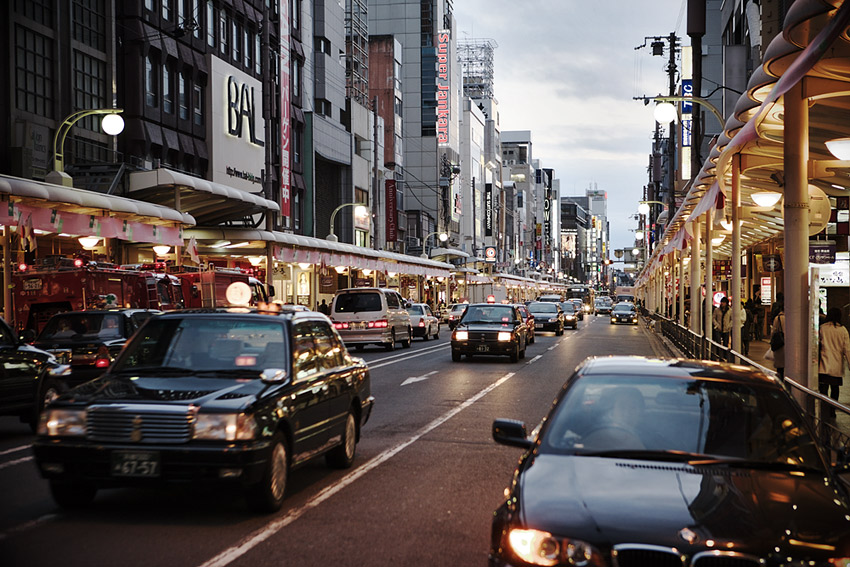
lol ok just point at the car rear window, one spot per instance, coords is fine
(416, 310)
(356, 302)
(543, 308)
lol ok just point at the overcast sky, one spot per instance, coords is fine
(567, 71)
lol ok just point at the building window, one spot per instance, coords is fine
(249, 47)
(151, 74)
(211, 23)
(181, 12)
(89, 86)
(198, 105)
(167, 10)
(297, 143)
(237, 41)
(40, 11)
(323, 107)
(296, 77)
(295, 10)
(167, 90)
(182, 97)
(33, 72)
(196, 18)
(90, 23)
(222, 32)
(323, 45)
(258, 60)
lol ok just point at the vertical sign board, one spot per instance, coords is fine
(687, 125)
(392, 228)
(285, 120)
(443, 86)
(488, 209)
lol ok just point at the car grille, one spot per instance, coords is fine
(641, 555)
(725, 560)
(139, 424)
(483, 336)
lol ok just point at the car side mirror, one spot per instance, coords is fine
(273, 375)
(271, 290)
(27, 336)
(512, 433)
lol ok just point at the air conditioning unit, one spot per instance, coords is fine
(412, 241)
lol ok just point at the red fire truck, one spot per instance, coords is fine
(208, 288)
(56, 284)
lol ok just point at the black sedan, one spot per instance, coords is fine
(209, 396)
(90, 340)
(624, 313)
(670, 462)
(570, 315)
(548, 316)
(490, 329)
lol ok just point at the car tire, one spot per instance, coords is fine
(515, 354)
(342, 457)
(533, 338)
(267, 495)
(522, 352)
(390, 346)
(72, 494)
(455, 356)
(409, 341)
(559, 332)
(425, 335)
(437, 333)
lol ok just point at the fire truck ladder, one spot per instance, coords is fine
(153, 293)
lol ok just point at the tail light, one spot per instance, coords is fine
(379, 324)
(421, 322)
(102, 358)
(339, 326)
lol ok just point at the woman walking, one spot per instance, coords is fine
(834, 350)
(777, 327)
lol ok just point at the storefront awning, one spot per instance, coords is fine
(208, 202)
(439, 252)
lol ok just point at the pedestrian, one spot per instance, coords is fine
(723, 322)
(324, 308)
(749, 318)
(834, 350)
(778, 326)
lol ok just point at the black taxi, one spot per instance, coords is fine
(230, 396)
(490, 329)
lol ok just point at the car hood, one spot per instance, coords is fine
(220, 393)
(87, 342)
(609, 501)
(476, 327)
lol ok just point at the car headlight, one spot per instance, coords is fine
(505, 336)
(461, 336)
(553, 320)
(542, 548)
(62, 423)
(225, 427)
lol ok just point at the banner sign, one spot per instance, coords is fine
(392, 226)
(285, 119)
(443, 87)
(488, 209)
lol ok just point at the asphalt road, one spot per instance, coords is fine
(422, 491)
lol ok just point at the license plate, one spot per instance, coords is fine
(135, 463)
(30, 285)
(483, 348)
(538, 325)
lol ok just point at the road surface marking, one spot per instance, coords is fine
(15, 449)
(15, 462)
(413, 379)
(233, 553)
(28, 525)
(538, 357)
(380, 364)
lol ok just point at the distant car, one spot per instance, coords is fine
(579, 307)
(371, 315)
(570, 315)
(643, 462)
(209, 396)
(490, 329)
(90, 340)
(547, 316)
(601, 307)
(624, 313)
(423, 321)
(528, 317)
(552, 298)
(30, 378)
(455, 311)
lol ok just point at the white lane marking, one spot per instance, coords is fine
(28, 525)
(402, 354)
(15, 462)
(414, 379)
(235, 552)
(15, 449)
(409, 356)
(538, 357)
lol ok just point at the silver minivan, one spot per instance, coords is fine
(371, 315)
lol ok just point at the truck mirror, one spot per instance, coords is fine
(195, 292)
(271, 291)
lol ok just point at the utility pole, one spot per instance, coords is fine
(672, 40)
(696, 29)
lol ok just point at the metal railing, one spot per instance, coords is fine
(830, 418)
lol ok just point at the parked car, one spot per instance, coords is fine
(490, 329)
(547, 316)
(30, 378)
(423, 321)
(624, 313)
(215, 396)
(90, 340)
(528, 317)
(570, 315)
(670, 462)
(371, 315)
(455, 312)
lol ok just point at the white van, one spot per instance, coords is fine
(371, 315)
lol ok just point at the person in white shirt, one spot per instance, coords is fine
(834, 350)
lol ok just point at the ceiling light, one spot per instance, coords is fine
(238, 245)
(766, 198)
(340, 269)
(718, 240)
(89, 242)
(840, 148)
(305, 265)
(161, 250)
(256, 260)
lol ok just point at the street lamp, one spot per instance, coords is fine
(442, 236)
(112, 124)
(643, 206)
(665, 112)
(361, 210)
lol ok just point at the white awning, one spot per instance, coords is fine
(435, 252)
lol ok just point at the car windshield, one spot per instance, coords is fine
(488, 314)
(356, 302)
(712, 418)
(623, 309)
(206, 343)
(416, 310)
(458, 308)
(543, 308)
(568, 307)
(82, 326)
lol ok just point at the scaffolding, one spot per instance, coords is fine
(477, 61)
(357, 51)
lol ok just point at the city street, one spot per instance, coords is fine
(422, 491)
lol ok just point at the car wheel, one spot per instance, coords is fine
(560, 331)
(407, 343)
(437, 332)
(72, 494)
(522, 352)
(533, 338)
(267, 495)
(391, 345)
(455, 356)
(342, 457)
(427, 334)
(515, 354)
